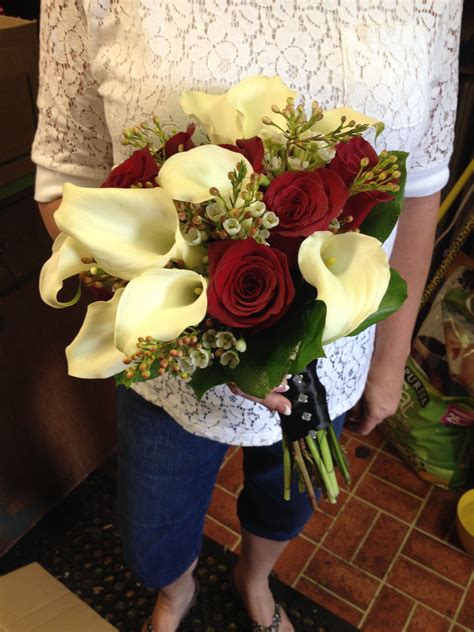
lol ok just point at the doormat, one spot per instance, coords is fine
(78, 543)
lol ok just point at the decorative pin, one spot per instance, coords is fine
(306, 416)
(302, 398)
(298, 379)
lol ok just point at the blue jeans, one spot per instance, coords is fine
(165, 480)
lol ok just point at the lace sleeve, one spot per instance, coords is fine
(72, 140)
(429, 170)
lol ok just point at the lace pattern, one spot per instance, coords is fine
(107, 64)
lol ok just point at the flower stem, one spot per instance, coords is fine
(327, 458)
(339, 455)
(327, 482)
(303, 470)
(287, 467)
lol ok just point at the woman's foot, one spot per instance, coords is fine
(170, 611)
(259, 602)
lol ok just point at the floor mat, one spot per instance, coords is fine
(78, 543)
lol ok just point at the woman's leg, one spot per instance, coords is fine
(165, 481)
(268, 524)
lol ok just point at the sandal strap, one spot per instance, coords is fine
(275, 625)
(149, 625)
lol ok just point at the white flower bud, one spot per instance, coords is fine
(215, 212)
(200, 357)
(257, 209)
(193, 236)
(232, 226)
(241, 345)
(230, 359)
(270, 220)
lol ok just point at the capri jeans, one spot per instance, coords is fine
(166, 476)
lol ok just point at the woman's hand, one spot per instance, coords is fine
(274, 401)
(380, 399)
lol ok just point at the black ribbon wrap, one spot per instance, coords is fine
(309, 405)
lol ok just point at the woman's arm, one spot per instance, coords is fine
(47, 214)
(411, 258)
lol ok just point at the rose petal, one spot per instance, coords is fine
(92, 353)
(160, 303)
(189, 175)
(127, 231)
(351, 274)
(64, 263)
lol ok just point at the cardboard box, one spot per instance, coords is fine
(18, 90)
(32, 600)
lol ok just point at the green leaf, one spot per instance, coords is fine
(204, 379)
(292, 343)
(392, 301)
(382, 219)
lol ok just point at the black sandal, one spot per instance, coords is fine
(149, 624)
(256, 627)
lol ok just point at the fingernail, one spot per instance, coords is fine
(287, 411)
(288, 376)
(284, 388)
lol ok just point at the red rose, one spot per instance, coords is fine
(139, 168)
(183, 139)
(305, 201)
(346, 163)
(250, 284)
(252, 149)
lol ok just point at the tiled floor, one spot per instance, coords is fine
(384, 558)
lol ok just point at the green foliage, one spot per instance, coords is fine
(392, 301)
(289, 346)
(382, 219)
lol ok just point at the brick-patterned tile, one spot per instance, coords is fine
(392, 499)
(223, 509)
(350, 528)
(318, 525)
(439, 557)
(341, 578)
(399, 474)
(333, 509)
(425, 620)
(438, 514)
(293, 559)
(466, 616)
(345, 438)
(375, 438)
(217, 532)
(425, 586)
(389, 612)
(231, 475)
(381, 546)
(329, 601)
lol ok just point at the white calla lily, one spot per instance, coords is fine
(351, 274)
(188, 175)
(238, 113)
(127, 231)
(332, 119)
(92, 353)
(160, 303)
(65, 262)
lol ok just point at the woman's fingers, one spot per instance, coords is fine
(277, 403)
(274, 401)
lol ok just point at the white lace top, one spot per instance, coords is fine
(107, 64)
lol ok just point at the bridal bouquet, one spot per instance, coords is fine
(236, 260)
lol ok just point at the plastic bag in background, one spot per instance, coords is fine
(433, 428)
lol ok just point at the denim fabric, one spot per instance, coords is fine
(165, 480)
